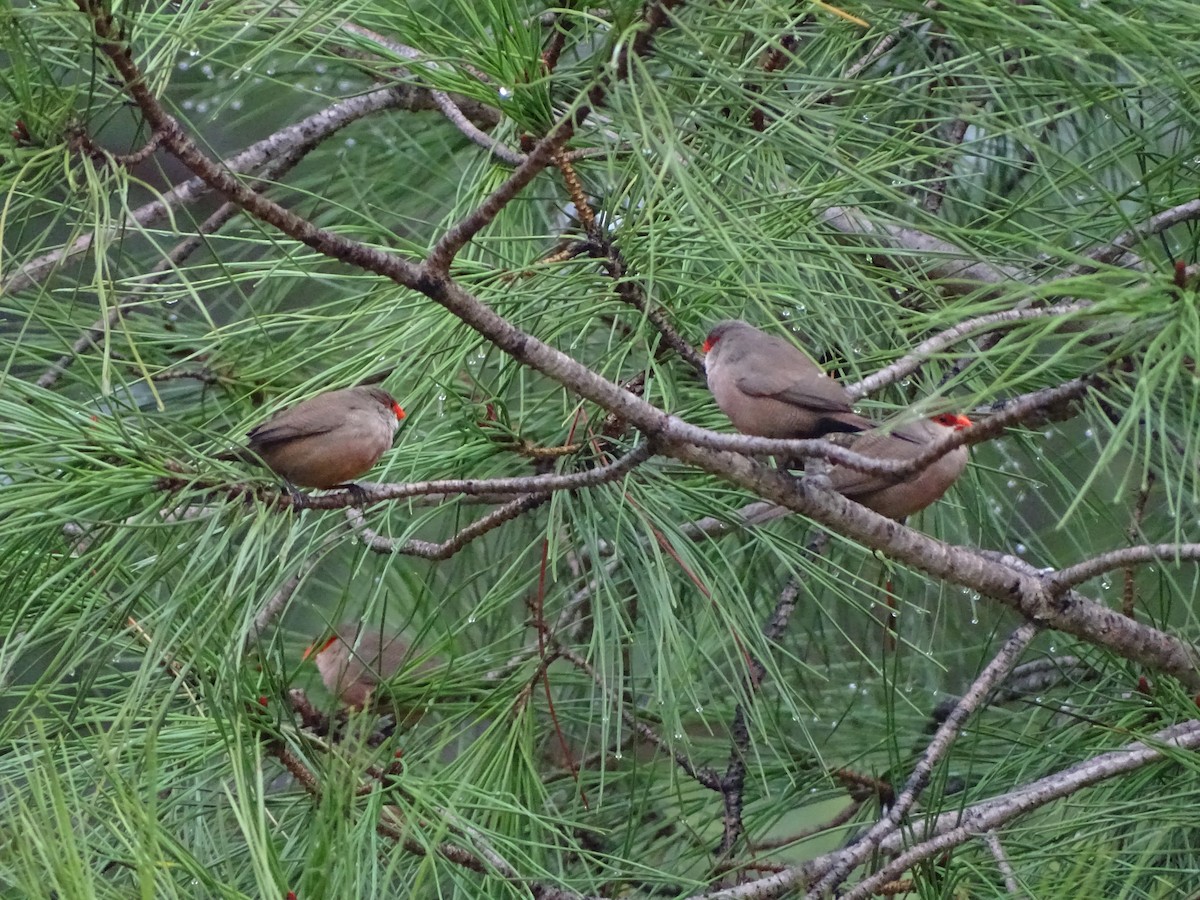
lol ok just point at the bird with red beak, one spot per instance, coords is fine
(768, 386)
(355, 660)
(913, 492)
(328, 440)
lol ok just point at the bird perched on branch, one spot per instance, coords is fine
(770, 388)
(899, 498)
(326, 441)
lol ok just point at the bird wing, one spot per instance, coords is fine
(904, 442)
(823, 395)
(295, 423)
(819, 393)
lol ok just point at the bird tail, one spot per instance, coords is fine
(845, 423)
(240, 454)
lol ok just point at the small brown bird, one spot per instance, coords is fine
(897, 499)
(355, 660)
(770, 388)
(328, 440)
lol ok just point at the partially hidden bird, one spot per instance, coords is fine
(355, 660)
(768, 386)
(326, 441)
(897, 499)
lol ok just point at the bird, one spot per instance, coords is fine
(893, 498)
(355, 660)
(325, 441)
(768, 386)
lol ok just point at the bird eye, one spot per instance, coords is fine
(709, 342)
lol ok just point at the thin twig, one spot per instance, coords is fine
(447, 548)
(885, 43)
(81, 142)
(1013, 413)
(1116, 559)
(1010, 877)
(1030, 679)
(278, 601)
(935, 194)
(477, 136)
(1128, 596)
(733, 783)
(559, 24)
(631, 293)
(528, 484)
(449, 106)
(749, 516)
(915, 358)
(482, 490)
(1112, 252)
(848, 812)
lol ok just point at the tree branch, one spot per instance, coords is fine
(528, 484)
(309, 131)
(1002, 663)
(1113, 251)
(958, 826)
(956, 270)
(447, 548)
(1115, 559)
(914, 359)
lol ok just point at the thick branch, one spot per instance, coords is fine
(1025, 593)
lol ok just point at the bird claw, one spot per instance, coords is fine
(295, 493)
(356, 492)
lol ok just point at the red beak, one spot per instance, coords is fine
(310, 651)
